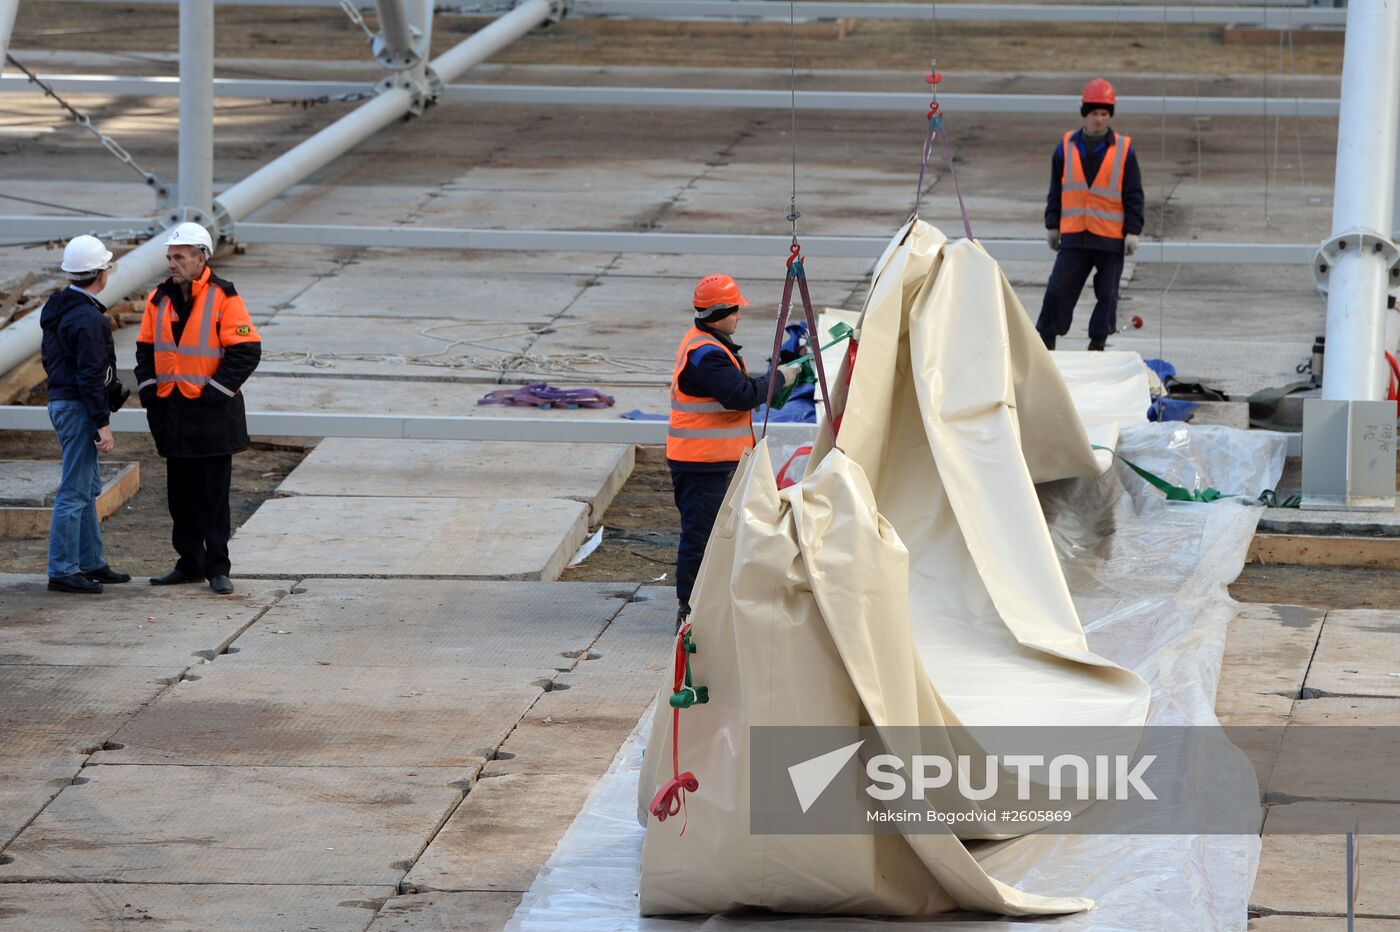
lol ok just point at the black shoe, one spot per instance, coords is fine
(1049, 340)
(682, 614)
(174, 578)
(105, 574)
(74, 582)
(1098, 345)
(221, 584)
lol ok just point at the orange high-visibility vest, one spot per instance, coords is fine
(216, 320)
(702, 430)
(1097, 209)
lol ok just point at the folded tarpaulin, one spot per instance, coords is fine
(908, 579)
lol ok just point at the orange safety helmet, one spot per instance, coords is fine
(1098, 95)
(715, 291)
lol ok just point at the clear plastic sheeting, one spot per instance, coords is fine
(1149, 585)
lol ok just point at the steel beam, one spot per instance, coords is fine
(1250, 13)
(330, 143)
(714, 244)
(573, 96)
(196, 112)
(1285, 18)
(415, 427)
(43, 227)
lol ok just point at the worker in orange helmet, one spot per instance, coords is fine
(1093, 218)
(712, 395)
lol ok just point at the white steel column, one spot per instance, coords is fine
(196, 110)
(1363, 202)
(315, 153)
(8, 9)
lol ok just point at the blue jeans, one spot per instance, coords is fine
(75, 536)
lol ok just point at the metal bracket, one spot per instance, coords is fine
(1353, 243)
(558, 9)
(422, 83)
(408, 59)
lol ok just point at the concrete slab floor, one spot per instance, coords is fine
(385, 396)
(446, 912)
(435, 286)
(500, 836)
(78, 907)
(71, 710)
(1340, 756)
(1307, 874)
(128, 625)
(405, 348)
(578, 725)
(1358, 655)
(26, 786)
(241, 713)
(243, 825)
(512, 538)
(435, 624)
(588, 472)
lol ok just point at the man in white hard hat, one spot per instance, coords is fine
(196, 348)
(81, 364)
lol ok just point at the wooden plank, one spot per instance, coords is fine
(1372, 553)
(19, 383)
(32, 523)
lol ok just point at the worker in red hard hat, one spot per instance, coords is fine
(712, 395)
(1093, 218)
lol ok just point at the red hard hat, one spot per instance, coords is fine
(1099, 91)
(718, 291)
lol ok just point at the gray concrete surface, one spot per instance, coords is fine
(587, 472)
(239, 825)
(1358, 655)
(509, 538)
(239, 908)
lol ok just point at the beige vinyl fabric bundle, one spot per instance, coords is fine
(811, 608)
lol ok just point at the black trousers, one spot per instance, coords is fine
(197, 488)
(1072, 268)
(698, 497)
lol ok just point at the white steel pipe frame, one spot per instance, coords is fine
(196, 156)
(1274, 15)
(1363, 203)
(699, 244)
(330, 143)
(717, 98)
(396, 49)
(416, 427)
(21, 340)
(717, 244)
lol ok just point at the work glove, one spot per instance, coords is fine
(148, 396)
(1053, 238)
(1130, 244)
(789, 373)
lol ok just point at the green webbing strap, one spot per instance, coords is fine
(689, 694)
(1175, 493)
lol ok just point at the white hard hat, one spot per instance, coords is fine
(84, 255)
(191, 234)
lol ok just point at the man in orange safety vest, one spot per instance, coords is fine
(196, 348)
(1093, 218)
(712, 395)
